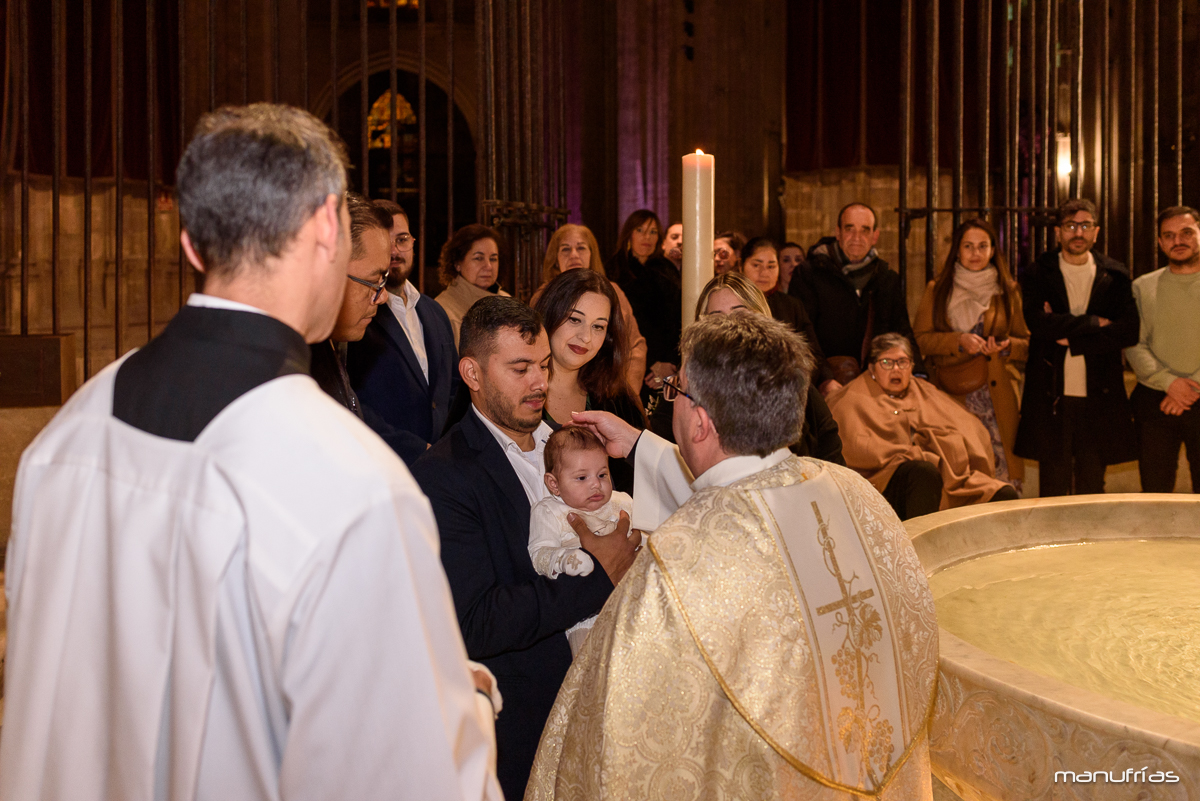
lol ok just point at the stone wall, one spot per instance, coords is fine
(812, 200)
(18, 427)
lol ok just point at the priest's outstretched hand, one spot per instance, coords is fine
(618, 436)
(615, 551)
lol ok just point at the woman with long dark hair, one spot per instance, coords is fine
(653, 287)
(574, 247)
(971, 327)
(588, 351)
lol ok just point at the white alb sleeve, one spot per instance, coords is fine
(376, 673)
(661, 481)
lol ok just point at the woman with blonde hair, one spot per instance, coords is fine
(731, 292)
(970, 326)
(574, 247)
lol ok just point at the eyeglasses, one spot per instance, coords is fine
(405, 241)
(377, 287)
(1084, 227)
(895, 364)
(671, 390)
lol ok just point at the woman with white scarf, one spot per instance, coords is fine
(971, 328)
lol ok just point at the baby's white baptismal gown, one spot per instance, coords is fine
(554, 547)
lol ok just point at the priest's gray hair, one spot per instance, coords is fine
(751, 374)
(251, 177)
(885, 342)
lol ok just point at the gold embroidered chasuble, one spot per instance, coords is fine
(777, 639)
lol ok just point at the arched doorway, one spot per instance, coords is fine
(378, 167)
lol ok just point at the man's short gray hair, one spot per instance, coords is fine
(751, 374)
(251, 177)
(885, 342)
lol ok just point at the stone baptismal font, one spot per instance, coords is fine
(1070, 647)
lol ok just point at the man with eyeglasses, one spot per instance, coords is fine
(1166, 357)
(367, 273)
(1075, 416)
(404, 368)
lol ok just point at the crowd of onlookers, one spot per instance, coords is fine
(931, 410)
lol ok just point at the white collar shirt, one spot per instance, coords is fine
(735, 468)
(530, 466)
(213, 302)
(403, 303)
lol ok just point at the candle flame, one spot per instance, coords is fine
(699, 152)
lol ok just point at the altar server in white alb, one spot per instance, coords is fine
(221, 584)
(776, 638)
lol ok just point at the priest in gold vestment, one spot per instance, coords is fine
(776, 639)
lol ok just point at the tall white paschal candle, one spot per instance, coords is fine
(698, 171)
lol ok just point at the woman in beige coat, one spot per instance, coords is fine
(469, 268)
(970, 327)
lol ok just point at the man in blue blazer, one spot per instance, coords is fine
(481, 479)
(405, 368)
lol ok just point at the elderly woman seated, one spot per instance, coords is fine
(918, 447)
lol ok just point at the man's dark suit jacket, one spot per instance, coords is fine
(512, 619)
(387, 377)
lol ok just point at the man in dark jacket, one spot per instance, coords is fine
(481, 479)
(1075, 416)
(851, 295)
(405, 368)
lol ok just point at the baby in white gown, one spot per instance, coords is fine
(578, 479)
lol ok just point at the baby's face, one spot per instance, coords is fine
(583, 479)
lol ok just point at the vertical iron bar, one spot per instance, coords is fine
(1152, 262)
(333, 63)
(984, 47)
(393, 145)
(522, 277)
(1109, 136)
(862, 81)
(1077, 165)
(422, 145)
(820, 121)
(450, 119)
(1048, 164)
(57, 93)
(932, 56)
(1131, 205)
(87, 191)
(1014, 142)
(151, 167)
(490, 100)
(534, 36)
(1178, 103)
(957, 177)
(481, 130)
(182, 44)
(500, 85)
(906, 33)
(1035, 172)
(304, 53)
(562, 114)
(364, 183)
(1039, 112)
(212, 54)
(245, 44)
(1007, 69)
(23, 24)
(118, 39)
(275, 51)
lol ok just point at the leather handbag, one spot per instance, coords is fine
(965, 377)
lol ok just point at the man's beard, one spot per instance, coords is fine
(1073, 243)
(399, 273)
(1191, 259)
(506, 416)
